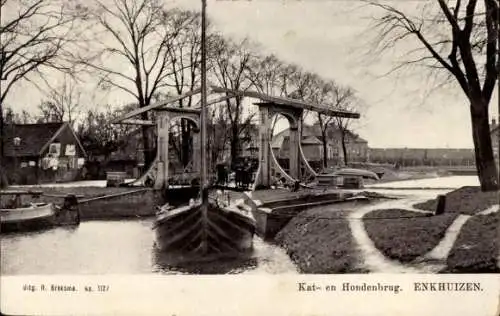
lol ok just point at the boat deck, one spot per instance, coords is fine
(272, 195)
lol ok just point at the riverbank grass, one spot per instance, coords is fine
(476, 248)
(405, 235)
(319, 241)
(466, 200)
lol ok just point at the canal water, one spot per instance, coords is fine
(118, 247)
(127, 246)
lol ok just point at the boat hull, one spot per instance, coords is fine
(351, 172)
(27, 219)
(184, 235)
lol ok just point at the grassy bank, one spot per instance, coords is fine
(466, 200)
(405, 235)
(319, 241)
(476, 248)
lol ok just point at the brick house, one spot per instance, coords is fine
(312, 145)
(41, 153)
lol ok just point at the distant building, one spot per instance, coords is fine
(312, 145)
(249, 143)
(38, 153)
(433, 156)
(423, 156)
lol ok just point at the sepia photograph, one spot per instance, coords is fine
(168, 139)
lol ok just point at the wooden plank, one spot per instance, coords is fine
(182, 234)
(156, 105)
(20, 192)
(137, 122)
(179, 110)
(217, 100)
(288, 102)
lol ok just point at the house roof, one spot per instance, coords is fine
(33, 138)
(311, 140)
(314, 131)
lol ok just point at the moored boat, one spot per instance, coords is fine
(352, 172)
(33, 217)
(19, 217)
(201, 230)
(190, 234)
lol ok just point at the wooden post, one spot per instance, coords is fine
(293, 157)
(441, 204)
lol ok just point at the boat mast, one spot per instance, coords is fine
(203, 116)
(203, 131)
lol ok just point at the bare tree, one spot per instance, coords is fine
(269, 75)
(229, 64)
(12, 117)
(62, 103)
(458, 42)
(185, 55)
(137, 34)
(345, 99)
(321, 92)
(34, 37)
(218, 133)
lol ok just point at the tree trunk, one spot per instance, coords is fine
(325, 153)
(344, 148)
(485, 161)
(234, 145)
(3, 177)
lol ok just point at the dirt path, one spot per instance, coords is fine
(432, 262)
(490, 210)
(442, 250)
(372, 258)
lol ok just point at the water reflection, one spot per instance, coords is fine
(118, 247)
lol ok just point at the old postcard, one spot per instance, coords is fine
(257, 157)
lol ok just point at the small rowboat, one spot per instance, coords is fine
(35, 216)
(351, 172)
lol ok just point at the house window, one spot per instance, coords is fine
(17, 141)
(55, 150)
(70, 150)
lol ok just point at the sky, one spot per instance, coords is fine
(330, 37)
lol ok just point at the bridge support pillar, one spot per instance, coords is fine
(267, 110)
(263, 174)
(163, 119)
(294, 159)
(163, 126)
